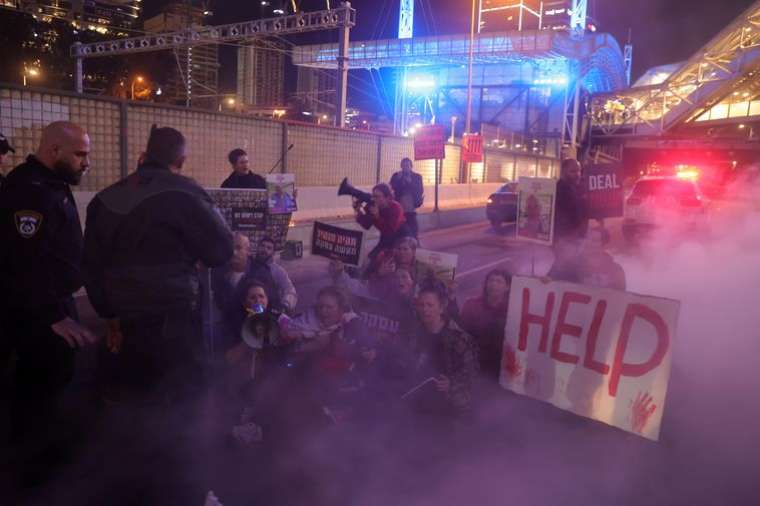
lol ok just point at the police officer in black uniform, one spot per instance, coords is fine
(144, 238)
(40, 262)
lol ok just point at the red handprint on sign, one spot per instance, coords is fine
(641, 410)
(512, 364)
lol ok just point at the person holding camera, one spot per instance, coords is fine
(385, 214)
(408, 190)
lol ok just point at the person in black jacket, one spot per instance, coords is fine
(408, 191)
(144, 238)
(241, 177)
(570, 221)
(40, 263)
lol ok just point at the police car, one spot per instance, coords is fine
(664, 201)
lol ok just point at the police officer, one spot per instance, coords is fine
(143, 240)
(40, 265)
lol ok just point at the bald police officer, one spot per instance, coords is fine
(39, 272)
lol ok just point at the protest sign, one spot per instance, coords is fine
(378, 317)
(604, 190)
(282, 193)
(535, 209)
(599, 353)
(246, 211)
(337, 243)
(434, 263)
(430, 143)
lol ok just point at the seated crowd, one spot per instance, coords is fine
(390, 336)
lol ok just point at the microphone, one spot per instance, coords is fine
(280, 160)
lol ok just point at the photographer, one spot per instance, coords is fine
(385, 214)
(408, 190)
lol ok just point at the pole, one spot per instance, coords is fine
(576, 107)
(468, 118)
(435, 208)
(78, 69)
(285, 148)
(342, 80)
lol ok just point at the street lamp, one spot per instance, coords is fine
(30, 72)
(138, 79)
(453, 122)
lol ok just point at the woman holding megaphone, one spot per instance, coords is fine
(257, 358)
(382, 212)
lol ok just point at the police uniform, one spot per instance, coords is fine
(40, 270)
(144, 237)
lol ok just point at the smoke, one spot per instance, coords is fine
(516, 450)
(711, 413)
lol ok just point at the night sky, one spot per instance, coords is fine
(663, 31)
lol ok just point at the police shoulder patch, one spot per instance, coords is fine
(28, 223)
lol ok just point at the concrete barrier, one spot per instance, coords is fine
(322, 202)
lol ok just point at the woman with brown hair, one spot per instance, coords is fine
(485, 316)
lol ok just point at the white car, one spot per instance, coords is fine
(657, 202)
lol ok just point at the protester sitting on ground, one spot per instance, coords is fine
(597, 267)
(386, 215)
(484, 317)
(447, 288)
(241, 177)
(254, 325)
(445, 353)
(340, 345)
(281, 290)
(404, 253)
(256, 360)
(224, 283)
(378, 278)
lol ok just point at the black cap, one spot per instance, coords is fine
(4, 146)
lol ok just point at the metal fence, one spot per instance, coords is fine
(321, 156)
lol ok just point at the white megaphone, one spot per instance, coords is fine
(255, 327)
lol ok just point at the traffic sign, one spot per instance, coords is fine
(430, 143)
(472, 148)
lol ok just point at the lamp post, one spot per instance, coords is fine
(468, 117)
(30, 72)
(453, 122)
(138, 79)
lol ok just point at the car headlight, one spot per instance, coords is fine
(490, 200)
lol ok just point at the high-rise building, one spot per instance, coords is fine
(192, 72)
(499, 15)
(261, 74)
(101, 16)
(37, 35)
